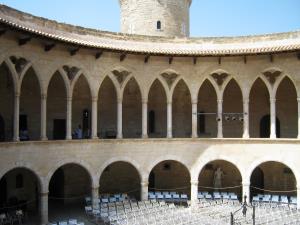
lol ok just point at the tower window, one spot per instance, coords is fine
(158, 25)
(19, 181)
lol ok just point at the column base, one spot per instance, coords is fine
(69, 138)
(95, 138)
(44, 138)
(272, 136)
(16, 139)
(120, 136)
(145, 136)
(246, 136)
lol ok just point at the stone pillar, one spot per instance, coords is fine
(246, 192)
(246, 118)
(169, 120)
(145, 119)
(273, 118)
(94, 117)
(298, 197)
(144, 190)
(16, 117)
(220, 118)
(44, 117)
(69, 119)
(120, 122)
(194, 119)
(95, 197)
(194, 191)
(44, 208)
(298, 99)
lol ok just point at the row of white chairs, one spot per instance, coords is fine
(218, 195)
(68, 222)
(168, 196)
(267, 198)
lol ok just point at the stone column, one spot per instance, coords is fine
(246, 192)
(298, 197)
(194, 191)
(44, 117)
(16, 117)
(273, 118)
(145, 119)
(246, 118)
(220, 118)
(120, 122)
(95, 197)
(298, 99)
(44, 208)
(69, 119)
(194, 119)
(144, 190)
(94, 117)
(169, 120)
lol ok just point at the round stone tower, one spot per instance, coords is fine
(167, 18)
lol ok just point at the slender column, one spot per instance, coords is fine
(95, 197)
(169, 120)
(144, 190)
(246, 118)
(120, 123)
(194, 191)
(194, 119)
(220, 118)
(94, 117)
(273, 118)
(298, 99)
(16, 117)
(69, 118)
(145, 119)
(44, 208)
(298, 197)
(246, 192)
(44, 117)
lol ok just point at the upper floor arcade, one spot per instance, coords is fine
(49, 96)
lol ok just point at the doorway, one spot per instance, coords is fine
(59, 129)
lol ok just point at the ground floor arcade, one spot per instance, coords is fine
(42, 181)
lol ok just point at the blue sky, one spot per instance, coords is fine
(208, 17)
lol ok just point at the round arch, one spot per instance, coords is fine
(167, 158)
(120, 177)
(125, 159)
(273, 158)
(81, 163)
(273, 177)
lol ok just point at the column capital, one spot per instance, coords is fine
(144, 183)
(95, 188)
(194, 182)
(298, 99)
(272, 100)
(220, 100)
(144, 101)
(246, 101)
(44, 194)
(69, 99)
(169, 102)
(120, 100)
(17, 94)
(95, 99)
(43, 96)
(194, 102)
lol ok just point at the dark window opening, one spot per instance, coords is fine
(265, 127)
(201, 123)
(19, 181)
(86, 123)
(151, 122)
(158, 25)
